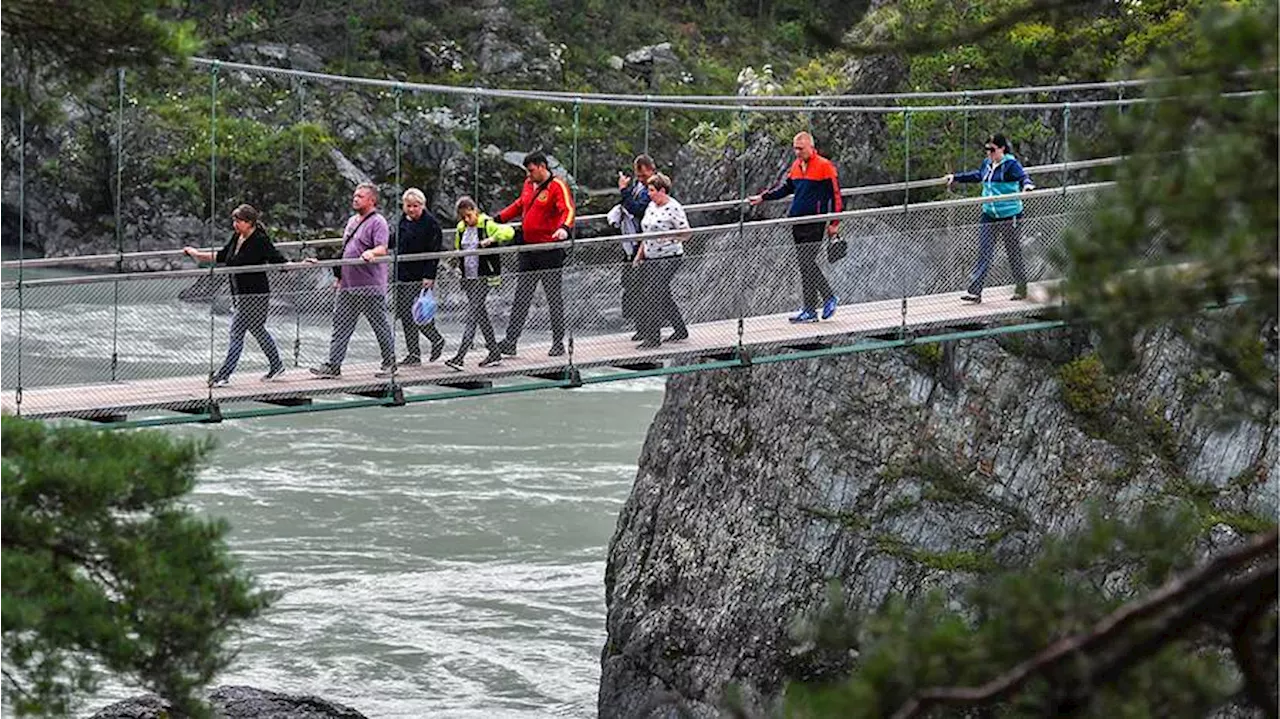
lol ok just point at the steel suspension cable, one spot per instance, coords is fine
(573, 238)
(22, 226)
(213, 206)
(115, 301)
(300, 91)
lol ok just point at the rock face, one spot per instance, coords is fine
(237, 702)
(895, 471)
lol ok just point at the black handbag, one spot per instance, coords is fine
(837, 248)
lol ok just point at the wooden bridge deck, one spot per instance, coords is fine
(113, 401)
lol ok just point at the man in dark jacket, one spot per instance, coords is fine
(418, 232)
(634, 202)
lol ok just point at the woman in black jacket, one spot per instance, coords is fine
(250, 291)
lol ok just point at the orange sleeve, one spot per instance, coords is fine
(568, 212)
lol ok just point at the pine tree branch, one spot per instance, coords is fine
(925, 43)
(1179, 605)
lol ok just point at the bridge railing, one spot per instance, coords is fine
(905, 269)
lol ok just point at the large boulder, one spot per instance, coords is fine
(236, 702)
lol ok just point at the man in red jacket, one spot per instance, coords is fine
(545, 207)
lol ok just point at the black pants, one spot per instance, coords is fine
(477, 316)
(813, 283)
(348, 306)
(630, 286)
(405, 293)
(538, 267)
(657, 307)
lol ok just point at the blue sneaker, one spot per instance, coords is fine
(829, 307)
(806, 315)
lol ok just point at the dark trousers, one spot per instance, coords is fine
(404, 294)
(347, 308)
(657, 307)
(538, 267)
(477, 316)
(1009, 231)
(251, 317)
(813, 283)
(630, 286)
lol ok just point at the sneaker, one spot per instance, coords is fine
(454, 363)
(649, 345)
(556, 350)
(829, 307)
(219, 381)
(437, 349)
(410, 361)
(326, 370)
(1019, 293)
(273, 373)
(975, 299)
(678, 337)
(507, 347)
(491, 360)
(387, 370)
(805, 315)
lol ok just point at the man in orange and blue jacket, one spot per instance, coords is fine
(545, 208)
(814, 186)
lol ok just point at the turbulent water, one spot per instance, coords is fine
(442, 559)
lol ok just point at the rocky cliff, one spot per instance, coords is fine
(890, 472)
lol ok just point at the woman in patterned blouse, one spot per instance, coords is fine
(659, 259)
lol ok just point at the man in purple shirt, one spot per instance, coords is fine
(361, 289)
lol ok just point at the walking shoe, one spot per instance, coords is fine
(454, 363)
(410, 360)
(1019, 293)
(975, 299)
(678, 336)
(649, 345)
(437, 348)
(273, 373)
(829, 307)
(806, 315)
(637, 337)
(219, 381)
(387, 370)
(556, 350)
(491, 360)
(507, 347)
(327, 371)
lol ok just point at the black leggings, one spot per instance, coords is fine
(477, 316)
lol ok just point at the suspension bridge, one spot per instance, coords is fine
(136, 348)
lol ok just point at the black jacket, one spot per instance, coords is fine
(256, 250)
(414, 238)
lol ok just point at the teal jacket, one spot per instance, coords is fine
(490, 265)
(1005, 177)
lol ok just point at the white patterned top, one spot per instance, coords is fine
(664, 218)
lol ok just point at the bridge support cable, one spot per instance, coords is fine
(22, 226)
(300, 91)
(648, 118)
(475, 149)
(571, 259)
(1066, 148)
(213, 209)
(906, 211)
(115, 303)
(741, 280)
(389, 299)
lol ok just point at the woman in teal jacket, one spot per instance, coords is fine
(479, 273)
(1001, 176)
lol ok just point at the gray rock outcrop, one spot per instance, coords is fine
(236, 702)
(887, 472)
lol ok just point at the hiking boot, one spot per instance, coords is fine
(273, 374)
(1019, 293)
(556, 350)
(387, 370)
(410, 361)
(327, 371)
(678, 336)
(454, 363)
(507, 347)
(491, 360)
(437, 349)
(829, 307)
(975, 299)
(806, 315)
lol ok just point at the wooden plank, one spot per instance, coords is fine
(715, 340)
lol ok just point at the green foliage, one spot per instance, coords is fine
(1015, 612)
(107, 568)
(1197, 205)
(1086, 387)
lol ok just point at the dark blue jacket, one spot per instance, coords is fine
(414, 238)
(816, 185)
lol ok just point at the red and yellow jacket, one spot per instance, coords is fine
(542, 209)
